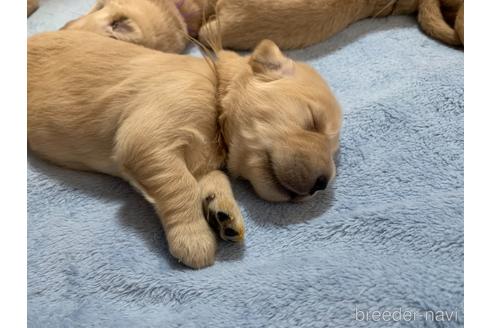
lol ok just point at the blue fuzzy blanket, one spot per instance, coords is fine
(387, 239)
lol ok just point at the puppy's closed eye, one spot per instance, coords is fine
(312, 124)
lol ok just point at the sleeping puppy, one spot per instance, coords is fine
(168, 123)
(163, 24)
(298, 23)
(155, 24)
(290, 23)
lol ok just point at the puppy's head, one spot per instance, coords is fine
(280, 121)
(150, 24)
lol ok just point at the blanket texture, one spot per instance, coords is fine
(387, 237)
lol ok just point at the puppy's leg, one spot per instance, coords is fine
(177, 200)
(432, 22)
(98, 6)
(162, 175)
(220, 207)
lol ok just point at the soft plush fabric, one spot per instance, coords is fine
(388, 237)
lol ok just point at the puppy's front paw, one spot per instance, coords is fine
(192, 244)
(224, 216)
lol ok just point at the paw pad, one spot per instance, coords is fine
(218, 214)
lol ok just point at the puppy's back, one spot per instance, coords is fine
(66, 78)
(81, 86)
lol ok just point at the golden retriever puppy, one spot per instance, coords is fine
(155, 24)
(32, 6)
(163, 24)
(168, 123)
(299, 23)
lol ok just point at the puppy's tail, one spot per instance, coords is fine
(432, 22)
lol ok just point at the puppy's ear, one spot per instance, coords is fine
(69, 24)
(125, 29)
(98, 6)
(267, 59)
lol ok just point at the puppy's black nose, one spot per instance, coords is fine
(320, 184)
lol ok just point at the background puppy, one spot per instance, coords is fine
(289, 23)
(297, 23)
(155, 24)
(167, 123)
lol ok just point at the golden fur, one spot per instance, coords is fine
(32, 6)
(432, 20)
(167, 123)
(299, 23)
(154, 24)
(289, 23)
